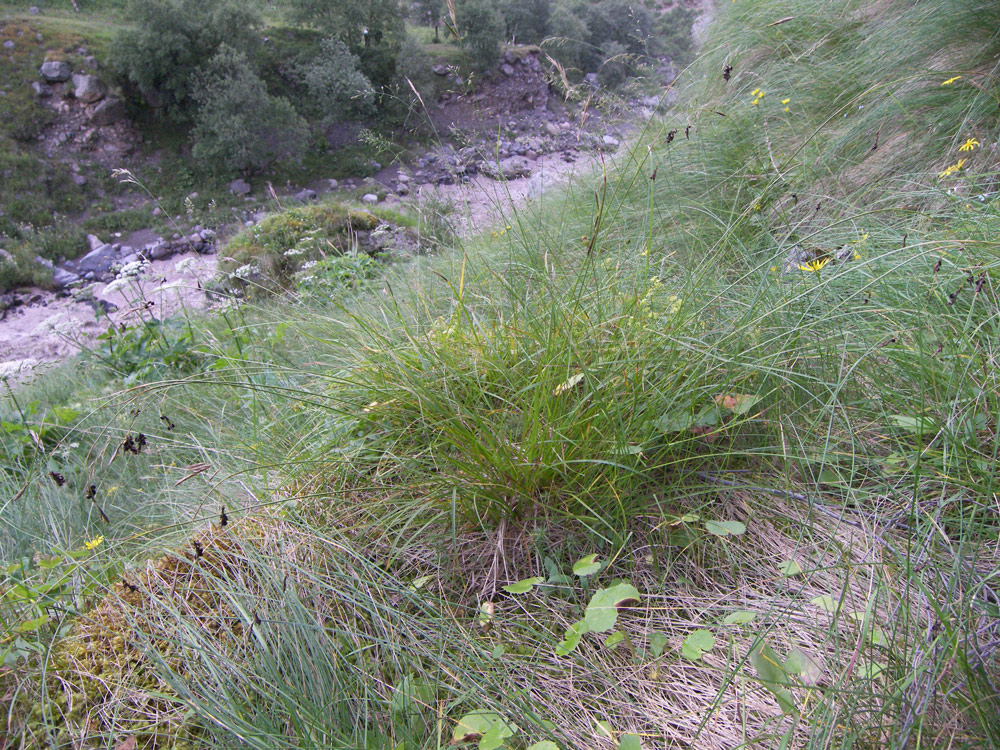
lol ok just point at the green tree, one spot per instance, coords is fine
(358, 23)
(568, 35)
(238, 125)
(525, 21)
(482, 31)
(157, 56)
(337, 88)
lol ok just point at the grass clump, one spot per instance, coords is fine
(265, 257)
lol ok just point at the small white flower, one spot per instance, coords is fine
(184, 265)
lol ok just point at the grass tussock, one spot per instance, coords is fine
(700, 452)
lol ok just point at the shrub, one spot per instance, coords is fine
(170, 40)
(568, 36)
(338, 90)
(239, 126)
(482, 26)
(526, 21)
(614, 70)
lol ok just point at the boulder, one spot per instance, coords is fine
(239, 187)
(97, 261)
(369, 198)
(507, 70)
(63, 278)
(42, 90)
(88, 88)
(9, 44)
(108, 112)
(610, 141)
(440, 70)
(94, 242)
(55, 71)
(306, 196)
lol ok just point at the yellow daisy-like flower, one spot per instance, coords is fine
(785, 101)
(814, 265)
(951, 81)
(953, 168)
(94, 543)
(969, 145)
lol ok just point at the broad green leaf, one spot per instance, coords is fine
(30, 626)
(544, 745)
(602, 612)
(869, 670)
(586, 566)
(773, 676)
(523, 586)
(572, 637)
(690, 518)
(830, 476)
(604, 729)
(476, 724)
(826, 602)
(65, 414)
(790, 568)
(496, 734)
(657, 642)
(419, 583)
(614, 639)
(914, 425)
(629, 742)
(499, 651)
(877, 637)
(739, 617)
(725, 528)
(808, 669)
(555, 575)
(737, 403)
(696, 644)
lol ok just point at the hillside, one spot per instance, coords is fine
(699, 451)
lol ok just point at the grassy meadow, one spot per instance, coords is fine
(698, 452)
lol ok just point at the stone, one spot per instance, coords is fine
(97, 261)
(207, 234)
(79, 180)
(88, 88)
(306, 196)
(369, 198)
(507, 70)
(511, 168)
(55, 71)
(239, 187)
(403, 178)
(333, 184)
(159, 250)
(552, 129)
(63, 278)
(440, 70)
(91, 62)
(610, 141)
(33, 10)
(94, 242)
(42, 90)
(9, 44)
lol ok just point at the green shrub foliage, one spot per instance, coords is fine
(336, 86)
(159, 55)
(239, 126)
(483, 31)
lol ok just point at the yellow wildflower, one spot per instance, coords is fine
(785, 101)
(814, 265)
(969, 145)
(94, 543)
(953, 168)
(951, 81)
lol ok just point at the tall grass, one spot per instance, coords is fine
(750, 367)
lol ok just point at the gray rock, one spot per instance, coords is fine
(42, 90)
(91, 62)
(610, 141)
(97, 261)
(88, 88)
(94, 242)
(369, 198)
(79, 180)
(440, 70)
(506, 169)
(195, 241)
(63, 278)
(130, 257)
(403, 178)
(239, 187)
(507, 70)
(207, 234)
(306, 196)
(9, 44)
(55, 71)
(33, 10)
(552, 129)
(43, 261)
(159, 250)
(333, 184)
